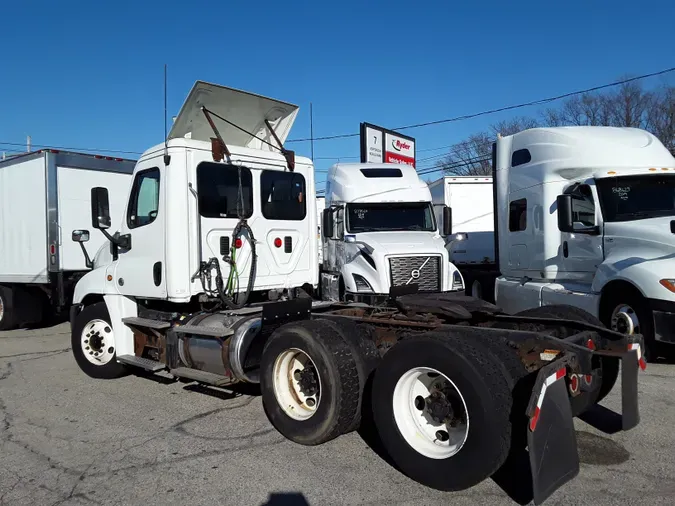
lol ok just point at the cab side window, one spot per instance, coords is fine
(583, 205)
(144, 199)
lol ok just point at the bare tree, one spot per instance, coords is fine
(473, 156)
(661, 116)
(628, 105)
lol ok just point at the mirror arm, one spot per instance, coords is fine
(123, 241)
(87, 261)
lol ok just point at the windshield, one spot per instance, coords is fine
(627, 198)
(390, 216)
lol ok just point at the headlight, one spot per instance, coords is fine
(457, 281)
(361, 284)
(669, 284)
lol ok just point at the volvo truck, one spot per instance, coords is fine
(208, 280)
(379, 231)
(585, 216)
(44, 195)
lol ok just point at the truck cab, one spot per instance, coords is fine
(588, 220)
(219, 211)
(379, 230)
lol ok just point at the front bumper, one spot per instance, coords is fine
(664, 320)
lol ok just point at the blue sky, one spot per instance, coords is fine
(88, 75)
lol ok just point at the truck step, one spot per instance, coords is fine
(203, 331)
(146, 322)
(201, 376)
(145, 363)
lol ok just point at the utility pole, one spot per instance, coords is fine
(311, 129)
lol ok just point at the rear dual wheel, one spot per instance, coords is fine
(313, 375)
(442, 405)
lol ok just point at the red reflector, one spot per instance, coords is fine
(119, 160)
(590, 344)
(277, 242)
(574, 383)
(589, 379)
(238, 243)
(98, 156)
(52, 250)
(534, 419)
(643, 364)
(560, 373)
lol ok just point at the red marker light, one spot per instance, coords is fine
(238, 243)
(52, 250)
(277, 242)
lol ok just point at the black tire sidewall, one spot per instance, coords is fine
(317, 427)
(112, 369)
(483, 450)
(7, 322)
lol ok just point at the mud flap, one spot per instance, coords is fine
(630, 413)
(551, 439)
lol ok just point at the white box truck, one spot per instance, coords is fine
(44, 195)
(382, 232)
(585, 216)
(205, 282)
(471, 244)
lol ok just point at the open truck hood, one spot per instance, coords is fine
(246, 110)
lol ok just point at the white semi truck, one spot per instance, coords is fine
(44, 195)
(585, 216)
(207, 281)
(379, 230)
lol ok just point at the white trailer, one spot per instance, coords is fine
(471, 244)
(380, 231)
(44, 195)
(586, 217)
(207, 281)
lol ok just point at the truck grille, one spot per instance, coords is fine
(422, 270)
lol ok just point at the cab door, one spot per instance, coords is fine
(140, 268)
(581, 250)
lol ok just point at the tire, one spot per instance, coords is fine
(95, 320)
(609, 366)
(361, 340)
(6, 309)
(486, 392)
(634, 300)
(331, 364)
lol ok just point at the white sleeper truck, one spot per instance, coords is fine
(207, 280)
(379, 230)
(44, 195)
(586, 217)
(471, 244)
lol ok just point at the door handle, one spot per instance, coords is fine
(566, 251)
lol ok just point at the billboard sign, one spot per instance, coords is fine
(379, 145)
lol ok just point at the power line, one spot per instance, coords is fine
(46, 146)
(502, 109)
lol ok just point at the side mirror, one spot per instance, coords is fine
(100, 208)
(80, 235)
(447, 220)
(565, 222)
(327, 225)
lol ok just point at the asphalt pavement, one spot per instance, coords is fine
(66, 439)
